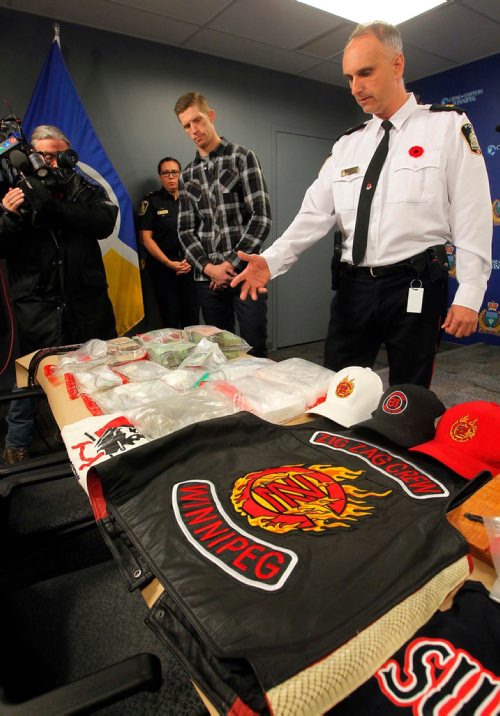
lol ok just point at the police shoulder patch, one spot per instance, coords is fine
(471, 138)
(446, 108)
(143, 207)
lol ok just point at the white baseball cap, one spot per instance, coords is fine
(353, 395)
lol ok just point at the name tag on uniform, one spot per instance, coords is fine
(347, 172)
(415, 297)
(162, 211)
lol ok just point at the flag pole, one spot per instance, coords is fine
(57, 33)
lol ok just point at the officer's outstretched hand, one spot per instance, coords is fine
(254, 277)
(460, 321)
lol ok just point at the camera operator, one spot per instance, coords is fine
(49, 237)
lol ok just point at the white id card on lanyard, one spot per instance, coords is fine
(415, 297)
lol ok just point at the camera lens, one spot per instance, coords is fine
(39, 165)
(67, 159)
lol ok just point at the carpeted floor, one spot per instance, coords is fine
(67, 627)
(462, 373)
(465, 373)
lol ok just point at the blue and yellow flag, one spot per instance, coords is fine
(55, 101)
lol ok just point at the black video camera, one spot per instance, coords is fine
(22, 166)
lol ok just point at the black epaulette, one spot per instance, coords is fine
(446, 108)
(351, 131)
(344, 134)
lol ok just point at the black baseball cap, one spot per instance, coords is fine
(406, 414)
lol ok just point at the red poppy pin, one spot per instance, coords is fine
(415, 151)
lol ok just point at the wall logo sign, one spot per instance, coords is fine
(464, 98)
(495, 210)
(450, 254)
(489, 319)
(493, 149)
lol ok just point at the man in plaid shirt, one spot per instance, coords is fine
(224, 208)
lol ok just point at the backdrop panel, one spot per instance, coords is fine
(474, 88)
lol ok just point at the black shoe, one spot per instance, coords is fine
(14, 455)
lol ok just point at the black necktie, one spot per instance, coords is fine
(366, 196)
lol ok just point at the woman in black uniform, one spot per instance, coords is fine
(170, 273)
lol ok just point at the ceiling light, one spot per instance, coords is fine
(364, 10)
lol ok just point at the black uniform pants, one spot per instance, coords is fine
(176, 296)
(368, 311)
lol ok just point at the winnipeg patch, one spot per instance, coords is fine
(471, 138)
(143, 208)
(218, 539)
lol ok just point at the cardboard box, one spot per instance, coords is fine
(22, 366)
(485, 503)
(64, 410)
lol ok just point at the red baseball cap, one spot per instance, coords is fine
(466, 439)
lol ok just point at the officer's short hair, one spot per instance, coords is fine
(48, 131)
(387, 34)
(188, 100)
(169, 159)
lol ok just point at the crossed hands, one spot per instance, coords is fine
(180, 267)
(220, 275)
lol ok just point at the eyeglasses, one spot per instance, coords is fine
(48, 156)
(170, 173)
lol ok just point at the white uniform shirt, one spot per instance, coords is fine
(432, 189)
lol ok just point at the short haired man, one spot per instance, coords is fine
(432, 189)
(55, 268)
(224, 208)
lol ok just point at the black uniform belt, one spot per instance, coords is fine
(417, 263)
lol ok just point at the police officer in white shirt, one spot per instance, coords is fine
(432, 190)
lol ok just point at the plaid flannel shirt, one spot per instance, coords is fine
(223, 207)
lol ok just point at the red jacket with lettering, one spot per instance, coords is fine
(281, 549)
